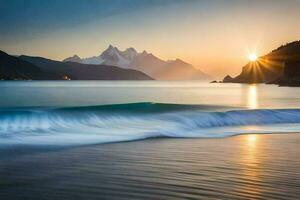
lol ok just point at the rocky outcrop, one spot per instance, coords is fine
(227, 79)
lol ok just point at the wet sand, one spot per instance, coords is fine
(241, 167)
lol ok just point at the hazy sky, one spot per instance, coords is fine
(214, 35)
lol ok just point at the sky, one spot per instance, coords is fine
(215, 36)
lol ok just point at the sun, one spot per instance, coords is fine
(252, 57)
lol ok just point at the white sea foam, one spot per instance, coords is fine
(94, 125)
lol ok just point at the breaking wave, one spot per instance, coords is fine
(128, 122)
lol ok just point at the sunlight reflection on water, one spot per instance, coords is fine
(252, 97)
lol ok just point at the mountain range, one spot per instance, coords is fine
(38, 68)
(144, 62)
(280, 66)
(112, 64)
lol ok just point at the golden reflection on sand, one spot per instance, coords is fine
(252, 139)
(251, 151)
(250, 159)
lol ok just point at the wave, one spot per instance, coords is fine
(127, 122)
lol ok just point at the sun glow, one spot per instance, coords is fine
(251, 139)
(252, 57)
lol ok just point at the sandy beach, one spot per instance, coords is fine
(240, 167)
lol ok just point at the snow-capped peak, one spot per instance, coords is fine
(110, 51)
(113, 56)
(129, 53)
(130, 50)
(143, 61)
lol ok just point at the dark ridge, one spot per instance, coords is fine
(78, 71)
(13, 68)
(281, 66)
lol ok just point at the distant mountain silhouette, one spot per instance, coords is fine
(144, 62)
(77, 71)
(281, 66)
(13, 68)
(179, 70)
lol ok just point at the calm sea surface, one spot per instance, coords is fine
(84, 93)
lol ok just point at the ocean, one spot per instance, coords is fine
(148, 140)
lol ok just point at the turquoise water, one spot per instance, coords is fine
(83, 112)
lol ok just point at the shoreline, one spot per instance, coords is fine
(258, 166)
(23, 149)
